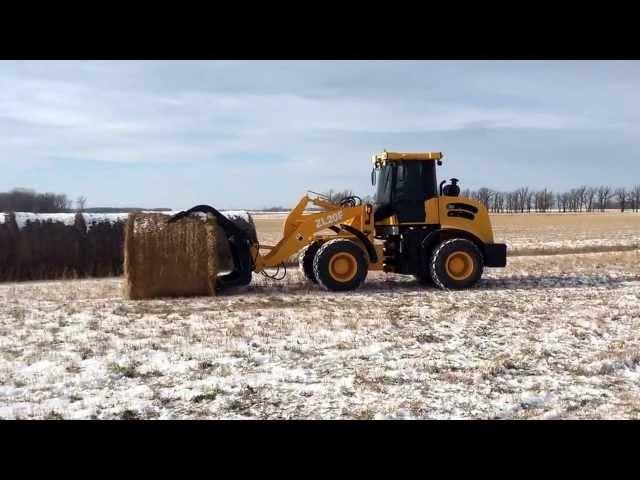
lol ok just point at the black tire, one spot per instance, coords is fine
(423, 274)
(462, 253)
(424, 278)
(305, 260)
(349, 254)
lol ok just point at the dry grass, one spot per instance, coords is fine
(563, 233)
(549, 224)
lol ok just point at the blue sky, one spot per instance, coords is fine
(251, 134)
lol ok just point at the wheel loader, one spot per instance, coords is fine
(414, 227)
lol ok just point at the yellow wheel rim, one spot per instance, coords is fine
(343, 267)
(459, 265)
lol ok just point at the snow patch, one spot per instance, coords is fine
(24, 218)
(91, 219)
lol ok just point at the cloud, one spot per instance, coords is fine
(298, 125)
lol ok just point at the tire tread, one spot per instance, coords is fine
(436, 257)
(327, 245)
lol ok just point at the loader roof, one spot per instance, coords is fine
(397, 156)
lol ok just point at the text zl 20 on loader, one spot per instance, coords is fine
(416, 227)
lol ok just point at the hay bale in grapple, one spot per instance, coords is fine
(169, 260)
(243, 220)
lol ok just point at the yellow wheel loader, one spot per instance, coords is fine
(415, 227)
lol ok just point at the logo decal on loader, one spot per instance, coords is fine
(328, 220)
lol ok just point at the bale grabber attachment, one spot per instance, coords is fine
(341, 267)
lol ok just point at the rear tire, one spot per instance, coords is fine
(424, 278)
(456, 264)
(305, 260)
(340, 265)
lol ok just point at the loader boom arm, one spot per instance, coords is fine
(299, 228)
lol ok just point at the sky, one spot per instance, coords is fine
(255, 134)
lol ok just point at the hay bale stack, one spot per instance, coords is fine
(8, 241)
(47, 247)
(169, 260)
(103, 244)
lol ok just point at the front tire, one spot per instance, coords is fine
(423, 274)
(456, 264)
(340, 265)
(305, 260)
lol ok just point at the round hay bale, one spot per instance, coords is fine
(169, 260)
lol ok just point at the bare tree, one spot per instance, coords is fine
(635, 195)
(548, 200)
(604, 193)
(522, 197)
(336, 196)
(528, 200)
(484, 196)
(62, 203)
(81, 201)
(498, 202)
(589, 195)
(543, 200)
(582, 197)
(621, 193)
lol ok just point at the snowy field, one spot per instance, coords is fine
(565, 233)
(548, 337)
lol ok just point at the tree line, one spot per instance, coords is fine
(520, 200)
(26, 200)
(527, 200)
(580, 199)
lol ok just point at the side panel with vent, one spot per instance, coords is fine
(465, 214)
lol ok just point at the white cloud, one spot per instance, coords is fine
(319, 117)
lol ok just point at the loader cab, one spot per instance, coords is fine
(404, 181)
